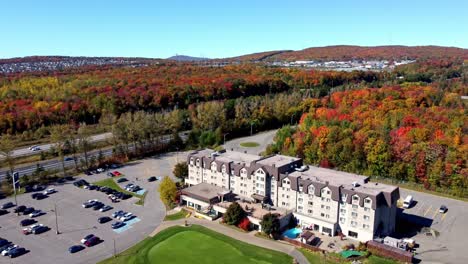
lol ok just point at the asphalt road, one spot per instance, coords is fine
(263, 139)
(46, 147)
(57, 165)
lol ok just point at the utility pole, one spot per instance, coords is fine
(56, 220)
(15, 180)
(251, 129)
(115, 250)
(224, 141)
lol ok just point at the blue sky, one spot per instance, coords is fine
(222, 28)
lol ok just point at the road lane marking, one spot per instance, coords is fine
(435, 214)
(443, 217)
(428, 209)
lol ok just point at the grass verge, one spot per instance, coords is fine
(249, 144)
(196, 244)
(315, 257)
(113, 185)
(179, 215)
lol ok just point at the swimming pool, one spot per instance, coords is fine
(292, 233)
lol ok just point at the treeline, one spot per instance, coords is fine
(413, 133)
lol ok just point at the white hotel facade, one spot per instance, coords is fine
(323, 200)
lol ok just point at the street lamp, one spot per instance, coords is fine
(251, 128)
(56, 219)
(224, 141)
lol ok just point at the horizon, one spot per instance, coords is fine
(213, 30)
(189, 55)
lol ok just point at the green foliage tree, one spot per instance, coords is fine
(181, 170)
(234, 214)
(6, 151)
(168, 191)
(270, 224)
(59, 135)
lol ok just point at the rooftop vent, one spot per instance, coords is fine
(302, 168)
(356, 184)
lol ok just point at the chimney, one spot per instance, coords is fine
(245, 151)
(232, 149)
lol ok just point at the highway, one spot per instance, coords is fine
(55, 164)
(21, 152)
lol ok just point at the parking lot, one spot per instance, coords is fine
(449, 245)
(75, 222)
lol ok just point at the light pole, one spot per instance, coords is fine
(56, 219)
(251, 128)
(224, 140)
(15, 180)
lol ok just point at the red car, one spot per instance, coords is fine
(116, 173)
(92, 241)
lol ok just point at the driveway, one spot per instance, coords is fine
(263, 139)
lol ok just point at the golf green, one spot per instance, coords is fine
(193, 245)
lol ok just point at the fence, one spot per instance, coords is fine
(382, 250)
(302, 245)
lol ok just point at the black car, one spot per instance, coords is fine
(117, 225)
(40, 230)
(126, 196)
(69, 178)
(5, 246)
(39, 196)
(3, 212)
(98, 206)
(4, 242)
(60, 180)
(122, 180)
(19, 209)
(75, 248)
(28, 189)
(152, 179)
(104, 219)
(17, 252)
(7, 205)
(28, 210)
(28, 221)
(92, 187)
(88, 173)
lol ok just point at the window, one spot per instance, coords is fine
(365, 226)
(272, 193)
(299, 200)
(328, 200)
(354, 214)
(322, 206)
(323, 199)
(366, 217)
(322, 214)
(367, 200)
(343, 211)
(355, 198)
(309, 211)
(327, 216)
(343, 197)
(342, 220)
(299, 207)
(311, 203)
(355, 206)
(327, 207)
(353, 223)
(366, 209)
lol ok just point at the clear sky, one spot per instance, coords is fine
(160, 29)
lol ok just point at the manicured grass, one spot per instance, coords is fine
(379, 260)
(179, 215)
(315, 257)
(249, 144)
(112, 184)
(196, 244)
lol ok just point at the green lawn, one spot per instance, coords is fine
(379, 260)
(194, 245)
(179, 215)
(315, 257)
(249, 144)
(112, 184)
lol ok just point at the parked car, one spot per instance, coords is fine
(30, 229)
(90, 203)
(92, 187)
(118, 213)
(36, 149)
(127, 218)
(87, 172)
(106, 208)
(443, 209)
(3, 212)
(7, 205)
(75, 248)
(68, 159)
(117, 225)
(117, 173)
(49, 191)
(100, 170)
(33, 147)
(5, 246)
(19, 209)
(36, 213)
(86, 238)
(104, 219)
(7, 250)
(110, 174)
(98, 206)
(122, 180)
(92, 241)
(17, 252)
(152, 179)
(408, 202)
(39, 196)
(28, 210)
(27, 221)
(4, 242)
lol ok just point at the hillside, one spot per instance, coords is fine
(186, 58)
(345, 52)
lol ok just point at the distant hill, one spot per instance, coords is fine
(186, 58)
(344, 52)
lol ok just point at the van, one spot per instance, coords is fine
(408, 201)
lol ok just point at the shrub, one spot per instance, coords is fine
(181, 170)
(245, 224)
(234, 214)
(270, 224)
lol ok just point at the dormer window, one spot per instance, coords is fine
(191, 161)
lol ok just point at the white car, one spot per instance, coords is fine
(49, 191)
(33, 147)
(100, 170)
(36, 149)
(5, 252)
(126, 217)
(36, 213)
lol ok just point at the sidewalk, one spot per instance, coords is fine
(244, 237)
